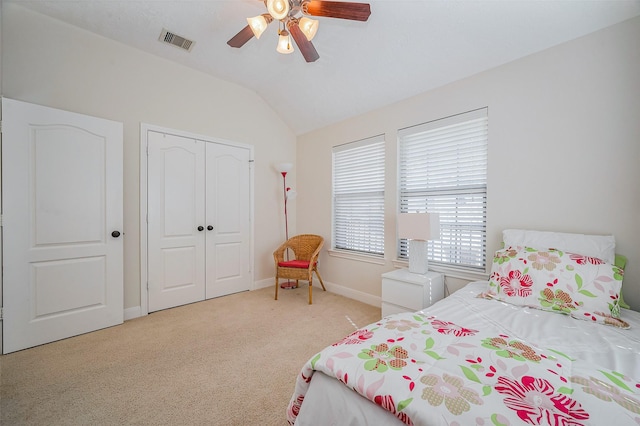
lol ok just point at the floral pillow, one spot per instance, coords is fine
(584, 287)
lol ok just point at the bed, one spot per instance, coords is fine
(544, 342)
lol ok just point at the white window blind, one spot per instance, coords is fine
(443, 169)
(358, 196)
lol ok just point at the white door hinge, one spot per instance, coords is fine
(1, 313)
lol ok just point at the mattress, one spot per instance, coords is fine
(468, 360)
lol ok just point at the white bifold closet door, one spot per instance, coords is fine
(198, 223)
(62, 219)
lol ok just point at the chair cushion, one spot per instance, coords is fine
(303, 264)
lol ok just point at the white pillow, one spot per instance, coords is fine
(601, 246)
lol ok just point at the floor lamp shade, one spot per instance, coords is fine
(418, 228)
(284, 167)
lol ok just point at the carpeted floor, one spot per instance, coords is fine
(226, 361)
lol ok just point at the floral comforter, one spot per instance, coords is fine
(471, 361)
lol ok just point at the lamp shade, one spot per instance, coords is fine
(419, 226)
(284, 167)
(279, 9)
(257, 24)
(284, 43)
(309, 27)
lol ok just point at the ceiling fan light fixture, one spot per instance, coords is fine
(284, 43)
(279, 9)
(294, 22)
(309, 27)
(257, 24)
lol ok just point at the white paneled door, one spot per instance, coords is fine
(62, 241)
(175, 213)
(228, 220)
(198, 224)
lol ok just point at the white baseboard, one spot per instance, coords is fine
(334, 288)
(360, 296)
(269, 282)
(135, 312)
(131, 313)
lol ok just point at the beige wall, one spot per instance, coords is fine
(579, 99)
(47, 62)
(564, 146)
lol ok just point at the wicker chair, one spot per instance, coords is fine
(306, 249)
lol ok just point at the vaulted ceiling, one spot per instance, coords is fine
(405, 48)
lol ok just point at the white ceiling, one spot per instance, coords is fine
(406, 47)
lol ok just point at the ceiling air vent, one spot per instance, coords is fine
(176, 40)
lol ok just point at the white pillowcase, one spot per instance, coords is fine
(601, 246)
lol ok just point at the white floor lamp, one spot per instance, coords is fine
(418, 228)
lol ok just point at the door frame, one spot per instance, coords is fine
(145, 128)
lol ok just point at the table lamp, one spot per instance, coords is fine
(418, 228)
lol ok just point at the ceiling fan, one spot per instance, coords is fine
(293, 16)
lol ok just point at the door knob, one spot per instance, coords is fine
(210, 228)
(200, 228)
(115, 234)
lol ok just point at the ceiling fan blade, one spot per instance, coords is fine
(241, 38)
(338, 9)
(306, 47)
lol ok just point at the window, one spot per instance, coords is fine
(358, 196)
(443, 169)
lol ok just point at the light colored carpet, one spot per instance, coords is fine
(226, 361)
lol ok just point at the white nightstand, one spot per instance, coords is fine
(403, 291)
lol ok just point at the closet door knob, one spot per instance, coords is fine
(200, 228)
(210, 228)
(115, 234)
